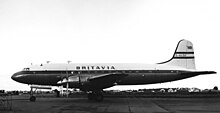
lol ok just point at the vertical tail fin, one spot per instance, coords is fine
(183, 56)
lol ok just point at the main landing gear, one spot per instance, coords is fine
(97, 96)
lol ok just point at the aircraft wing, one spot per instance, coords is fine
(95, 82)
(105, 80)
(108, 75)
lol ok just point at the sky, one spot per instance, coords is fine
(108, 31)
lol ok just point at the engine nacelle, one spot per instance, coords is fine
(76, 81)
(86, 82)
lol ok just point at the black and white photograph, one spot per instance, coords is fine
(109, 56)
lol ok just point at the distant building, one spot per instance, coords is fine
(162, 90)
(2, 91)
(194, 90)
(170, 90)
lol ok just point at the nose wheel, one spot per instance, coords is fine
(32, 99)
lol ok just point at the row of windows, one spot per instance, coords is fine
(26, 69)
(104, 71)
(123, 71)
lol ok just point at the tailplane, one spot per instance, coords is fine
(183, 56)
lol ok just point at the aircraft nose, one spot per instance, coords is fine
(17, 76)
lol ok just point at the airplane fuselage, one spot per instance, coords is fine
(136, 74)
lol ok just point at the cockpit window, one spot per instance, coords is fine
(26, 69)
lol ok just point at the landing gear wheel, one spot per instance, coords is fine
(32, 98)
(99, 97)
(90, 96)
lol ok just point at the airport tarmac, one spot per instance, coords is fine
(115, 105)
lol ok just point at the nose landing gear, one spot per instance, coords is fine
(32, 97)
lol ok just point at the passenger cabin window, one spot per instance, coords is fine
(26, 69)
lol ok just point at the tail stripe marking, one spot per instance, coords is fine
(184, 52)
(183, 57)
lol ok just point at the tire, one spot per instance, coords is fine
(99, 98)
(32, 98)
(90, 96)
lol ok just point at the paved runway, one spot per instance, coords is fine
(117, 105)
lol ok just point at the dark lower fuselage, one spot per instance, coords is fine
(134, 77)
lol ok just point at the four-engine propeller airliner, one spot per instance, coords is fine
(94, 78)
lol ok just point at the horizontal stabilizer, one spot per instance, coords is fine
(204, 72)
(195, 73)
